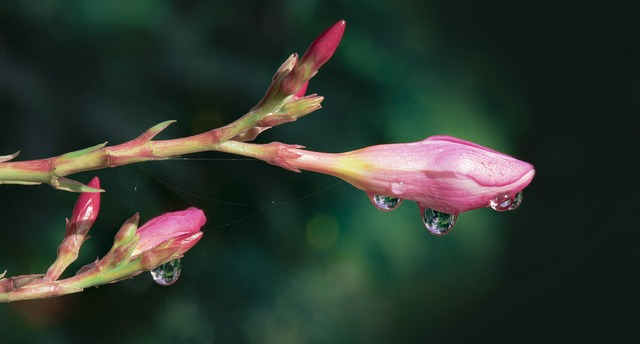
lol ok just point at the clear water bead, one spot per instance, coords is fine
(385, 203)
(167, 273)
(438, 223)
(506, 202)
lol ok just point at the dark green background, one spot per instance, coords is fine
(297, 258)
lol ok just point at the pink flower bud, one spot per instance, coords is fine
(83, 215)
(323, 47)
(441, 172)
(176, 232)
(293, 75)
(86, 209)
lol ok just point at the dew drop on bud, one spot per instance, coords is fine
(167, 273)
(438, 223)
(506, 202)
(517, 200)
(385, 203)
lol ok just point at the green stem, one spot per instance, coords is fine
(53, 170)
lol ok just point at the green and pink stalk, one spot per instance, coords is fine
(169, 236)
(135, 250)
(442, 174)
(284, 102)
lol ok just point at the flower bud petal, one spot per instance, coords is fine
(443, 173)
(86, 209)
(170, 250)
(169, 226)
(323, 47)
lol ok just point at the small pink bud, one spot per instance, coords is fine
(293, 75)
(177, 232)
(83, 215)
(323, 47)
(86, 209)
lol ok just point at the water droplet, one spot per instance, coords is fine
(385, 203)
(517, 200)
(167, 273)
(506, 202)
(438, 223)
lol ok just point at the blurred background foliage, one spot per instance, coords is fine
(304, 258)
